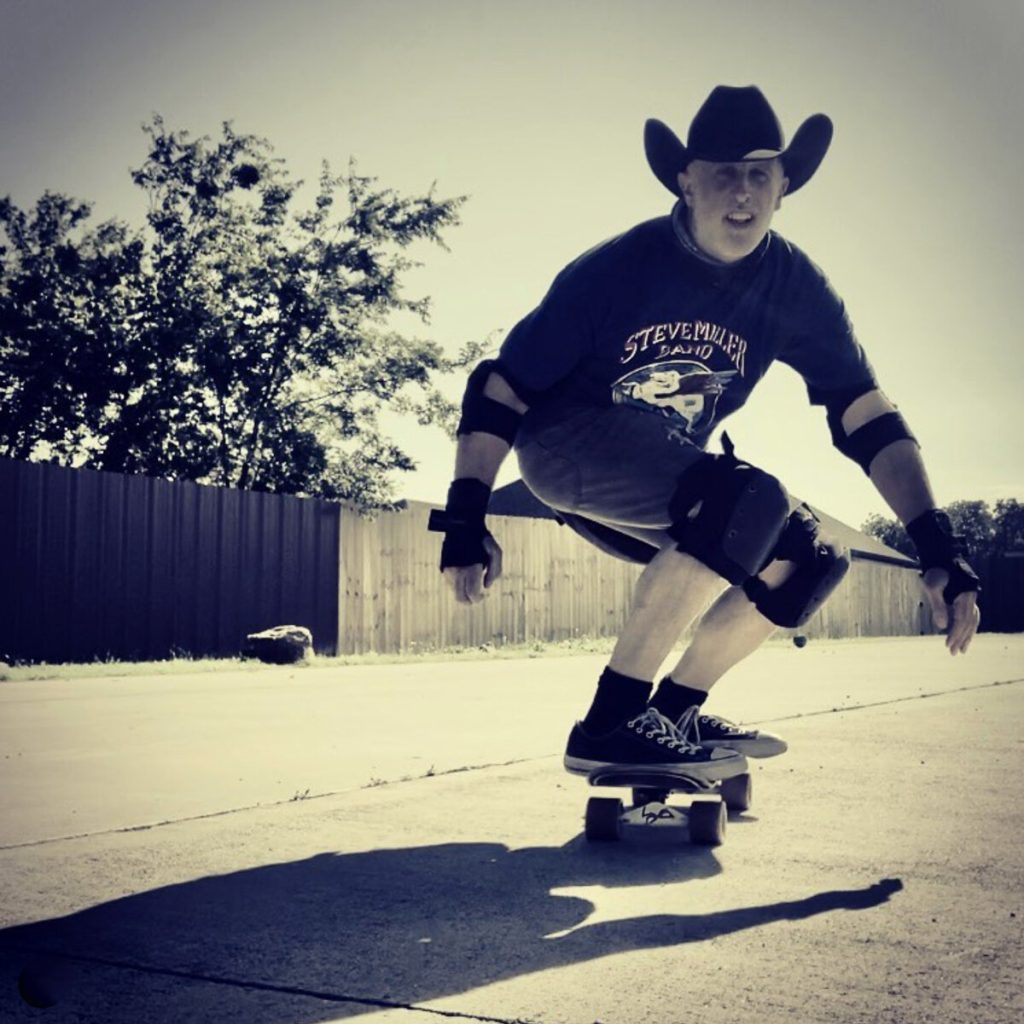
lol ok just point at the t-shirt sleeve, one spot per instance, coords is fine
(550, 342)
(822, 346)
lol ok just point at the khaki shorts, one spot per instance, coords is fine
(616, 465)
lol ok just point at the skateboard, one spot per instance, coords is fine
(702, 821)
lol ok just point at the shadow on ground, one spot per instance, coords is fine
(381, 928)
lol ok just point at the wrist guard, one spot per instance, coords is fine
(939, 548)
(462, 523)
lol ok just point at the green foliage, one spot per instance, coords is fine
(890, 532)
(984, 531)
(69, 308)
(972, 521)
(234, 340)
(1008, 525)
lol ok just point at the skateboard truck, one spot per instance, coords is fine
(702, 822)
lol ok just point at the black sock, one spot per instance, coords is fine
(672, 699)
(618, 699)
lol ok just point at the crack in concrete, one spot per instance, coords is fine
(885, 703)
(263, 986)
(265, 806)
(475, 768)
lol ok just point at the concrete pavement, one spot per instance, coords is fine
(878, 876)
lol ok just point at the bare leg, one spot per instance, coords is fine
(670, 593)
(732, 629)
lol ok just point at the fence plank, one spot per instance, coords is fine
(1002, 592)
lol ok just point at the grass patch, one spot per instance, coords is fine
(190, 666)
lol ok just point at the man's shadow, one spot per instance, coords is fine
(385, 927)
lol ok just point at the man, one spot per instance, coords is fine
(609, 390)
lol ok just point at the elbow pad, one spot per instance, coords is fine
(483, 414)
(864, 443)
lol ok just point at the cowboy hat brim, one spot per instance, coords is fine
(667, 156)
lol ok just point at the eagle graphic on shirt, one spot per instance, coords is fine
(686, 392)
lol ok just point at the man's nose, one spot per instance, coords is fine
(741, 189)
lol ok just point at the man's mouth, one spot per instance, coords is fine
(740, 218)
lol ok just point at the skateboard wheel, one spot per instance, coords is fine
(737, 792)
(707, 822)
(603, 819)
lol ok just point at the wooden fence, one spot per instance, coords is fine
(554, 586)
(97, 565)
(1002, 592)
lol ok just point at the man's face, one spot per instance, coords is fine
(731, 205)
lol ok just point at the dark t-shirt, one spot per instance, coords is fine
(641, 320)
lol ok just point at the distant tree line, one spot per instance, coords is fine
(985, 531)
(232, 340)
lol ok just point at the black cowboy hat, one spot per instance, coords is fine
(737, 123)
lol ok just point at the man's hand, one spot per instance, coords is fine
(470, 556)
(468, 582)
(962, 624)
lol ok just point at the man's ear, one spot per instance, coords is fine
(782, 192)
(685, 189)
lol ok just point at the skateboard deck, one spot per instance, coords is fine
(702, 821)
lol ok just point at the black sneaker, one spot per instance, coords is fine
(714, 733)
(649, 741)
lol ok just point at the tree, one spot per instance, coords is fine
(233, 340)
(972, 521)
(1008, 525)
(890, 532)
(68, 306)
(983, 531)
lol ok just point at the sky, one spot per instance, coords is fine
(534, 109)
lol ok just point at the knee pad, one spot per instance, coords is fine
(820, 567)
(728, 515)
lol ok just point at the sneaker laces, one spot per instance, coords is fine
(689, 723)
(655, 726)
